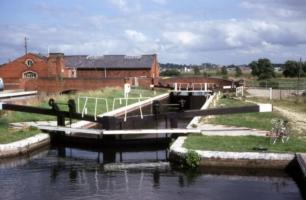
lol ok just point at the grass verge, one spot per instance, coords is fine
(250, 120)
(10, 135)
(242, 144)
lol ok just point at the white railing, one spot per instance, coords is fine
(96, 99)
(126, 99)
(193, 86)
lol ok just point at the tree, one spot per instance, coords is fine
(291, 68)
(196, 71)
(238, 72)
(262, 68)
(224, 72)
(304, 67)
(170, 72)
(205, 74)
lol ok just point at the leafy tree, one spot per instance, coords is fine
(205, 74)
(262, 68)
(238, 72)
(196, 71)
(170, 72)
(304, 67)
(291, 69)
(223, 70)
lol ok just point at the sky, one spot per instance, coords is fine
(178, 31)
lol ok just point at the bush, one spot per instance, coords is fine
(170, 72)
(205, 74)
(269, 84)
(192, 159)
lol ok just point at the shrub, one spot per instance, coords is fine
(192, 159)
(170, 72)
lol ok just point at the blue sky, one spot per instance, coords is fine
(179, 31)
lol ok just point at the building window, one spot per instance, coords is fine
(29, 62)
(72, 73)
(29, 75)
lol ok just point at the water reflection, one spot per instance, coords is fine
(70, 173)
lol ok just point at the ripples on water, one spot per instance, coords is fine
(79, 174)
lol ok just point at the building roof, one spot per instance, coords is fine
(109, 61)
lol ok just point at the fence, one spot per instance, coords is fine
(287, 84)
(277, 89)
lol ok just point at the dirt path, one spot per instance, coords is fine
(296, 119)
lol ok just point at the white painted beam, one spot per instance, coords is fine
(265, 107)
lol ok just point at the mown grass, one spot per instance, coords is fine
(243, 144)
(250, 120)
(9, 135)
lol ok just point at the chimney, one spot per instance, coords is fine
(56, 65)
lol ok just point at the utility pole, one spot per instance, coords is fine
(26, 45)
(299, 75)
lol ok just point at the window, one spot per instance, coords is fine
(29, 75)
(29, 62)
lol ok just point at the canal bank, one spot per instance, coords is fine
(24, 146)
(232, 159)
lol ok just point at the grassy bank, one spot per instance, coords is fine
(250, 120)
(242, 144)
(9, 135)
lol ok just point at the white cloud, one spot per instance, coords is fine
(276, 8)
(181, 37)
(135, 36)
(121, 4)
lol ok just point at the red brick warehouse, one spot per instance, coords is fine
(58, 72)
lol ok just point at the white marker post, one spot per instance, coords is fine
(127, 89)
(265, 107)
(175, 87)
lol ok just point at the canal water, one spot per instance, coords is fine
(72, 173)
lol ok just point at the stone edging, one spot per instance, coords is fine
(24, 146)
(177, 149)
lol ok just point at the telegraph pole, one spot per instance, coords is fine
(299, 75)
(26, 45)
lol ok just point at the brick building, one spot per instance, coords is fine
(57, 66)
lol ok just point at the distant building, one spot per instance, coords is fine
(187, 69)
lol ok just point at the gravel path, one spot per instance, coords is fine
(297, 120)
